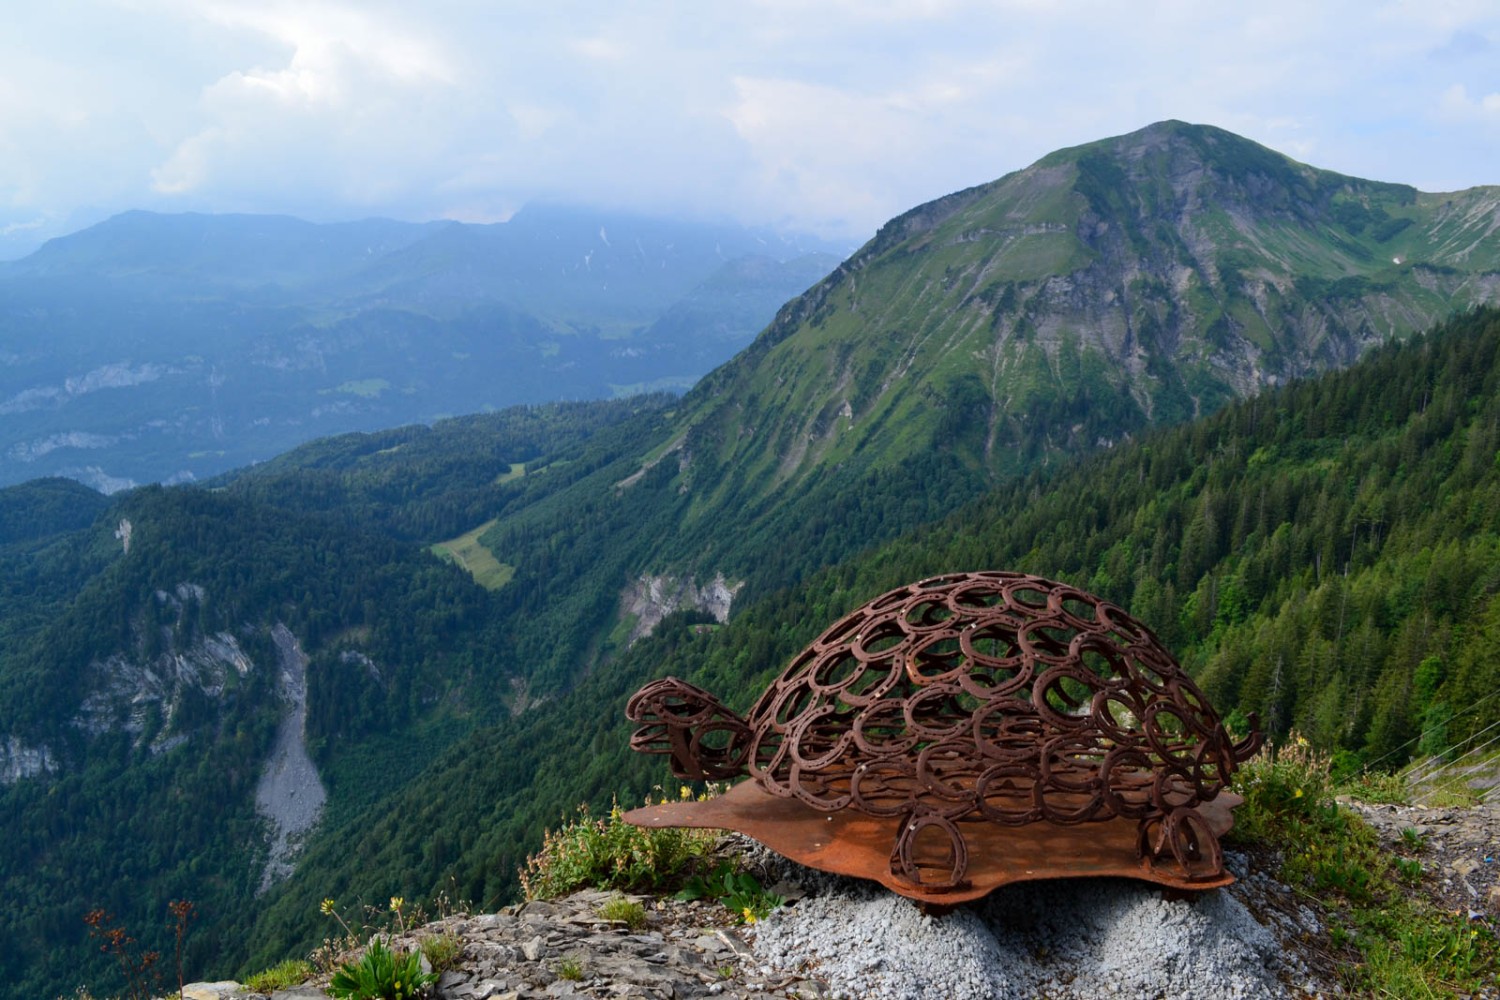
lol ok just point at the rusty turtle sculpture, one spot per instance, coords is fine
(988, 697)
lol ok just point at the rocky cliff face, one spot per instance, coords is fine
(144, 694)
(19, 761)
(651, 598)
(142, 691)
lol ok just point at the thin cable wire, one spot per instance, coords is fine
(1418, 774)
(1419, 737)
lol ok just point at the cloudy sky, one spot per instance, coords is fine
(824, 115)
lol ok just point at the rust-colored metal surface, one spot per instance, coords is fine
(850, 842)
(965, 721)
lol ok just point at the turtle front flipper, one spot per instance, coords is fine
(705, 740)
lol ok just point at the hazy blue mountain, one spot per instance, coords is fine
(172, 347)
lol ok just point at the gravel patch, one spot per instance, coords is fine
(1069, 940)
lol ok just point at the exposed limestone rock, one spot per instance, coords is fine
(123, 534)
(290, 794)
(564, 948)
(18, 761)
(130, 695)
(651, 598)
(371, 668)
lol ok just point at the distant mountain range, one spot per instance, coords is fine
(984, 385)
(173, 347)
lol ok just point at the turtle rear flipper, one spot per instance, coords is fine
(1183, 836)
(911, 863)
(705, 740)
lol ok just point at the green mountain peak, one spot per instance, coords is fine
(1137, 280)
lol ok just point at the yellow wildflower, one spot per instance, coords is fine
(685, 793)
(326, 907)
(396, 903)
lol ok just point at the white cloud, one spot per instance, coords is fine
(1457, 104)
(833, 115)
(351, 81)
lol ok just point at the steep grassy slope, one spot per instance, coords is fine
(1139, 280)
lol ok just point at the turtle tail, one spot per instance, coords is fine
(705, 740)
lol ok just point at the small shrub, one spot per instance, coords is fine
(292, 972)
(381, 975)
(1282, 786)
(570, 969)
(1409, 869)
(136, 967)
(626, 911)
(442, 951)
(611, 854)
(1412, 839)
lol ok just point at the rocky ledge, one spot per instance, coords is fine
(1459, 850)
(563, 948)
(1083, 939)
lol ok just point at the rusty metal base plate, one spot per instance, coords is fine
(853, 843)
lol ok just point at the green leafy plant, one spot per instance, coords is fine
(1412, 839)
(1281, 786)
(393, 920)
(609, 853)
(740, 892)
(278, 977)
(629, 912)
(570, 969)
(381, 975)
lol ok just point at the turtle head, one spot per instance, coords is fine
(705, 740)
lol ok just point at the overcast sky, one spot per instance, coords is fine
(826, 116)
